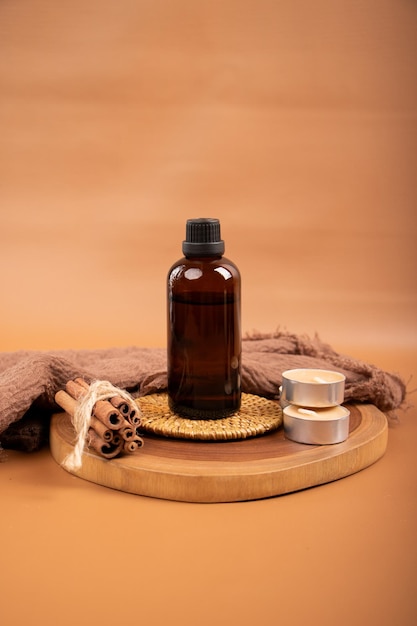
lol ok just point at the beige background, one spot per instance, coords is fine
(294, 122)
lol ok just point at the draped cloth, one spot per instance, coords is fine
(30, 379)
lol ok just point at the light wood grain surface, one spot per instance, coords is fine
(293, 122)
(259, 467)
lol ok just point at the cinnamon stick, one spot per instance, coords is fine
(103, 410)
(66, 402)
(69, 405)
(75, 389)
(107, 414)
(128, 409)
(101, 429)
(120, 404)
(82, 383)
(133, 417)
(105, 449)
(127, 432)
(110, 432)
(133, 445)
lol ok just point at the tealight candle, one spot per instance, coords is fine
(316, 426)
(314, 388)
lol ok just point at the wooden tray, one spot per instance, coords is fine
(229, 471)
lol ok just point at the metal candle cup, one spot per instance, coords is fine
(319, 426)
(315, 388)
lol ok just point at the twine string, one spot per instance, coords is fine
(99, 390)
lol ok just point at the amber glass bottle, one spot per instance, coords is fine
(204, 327)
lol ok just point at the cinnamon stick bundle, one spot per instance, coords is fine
(114, 422)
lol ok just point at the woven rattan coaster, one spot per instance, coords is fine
(256, 416)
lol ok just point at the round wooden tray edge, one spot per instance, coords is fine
(224, 481)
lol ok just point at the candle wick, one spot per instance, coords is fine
(319, 380)
(307, 411)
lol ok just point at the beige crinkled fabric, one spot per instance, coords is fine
(29, 380)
